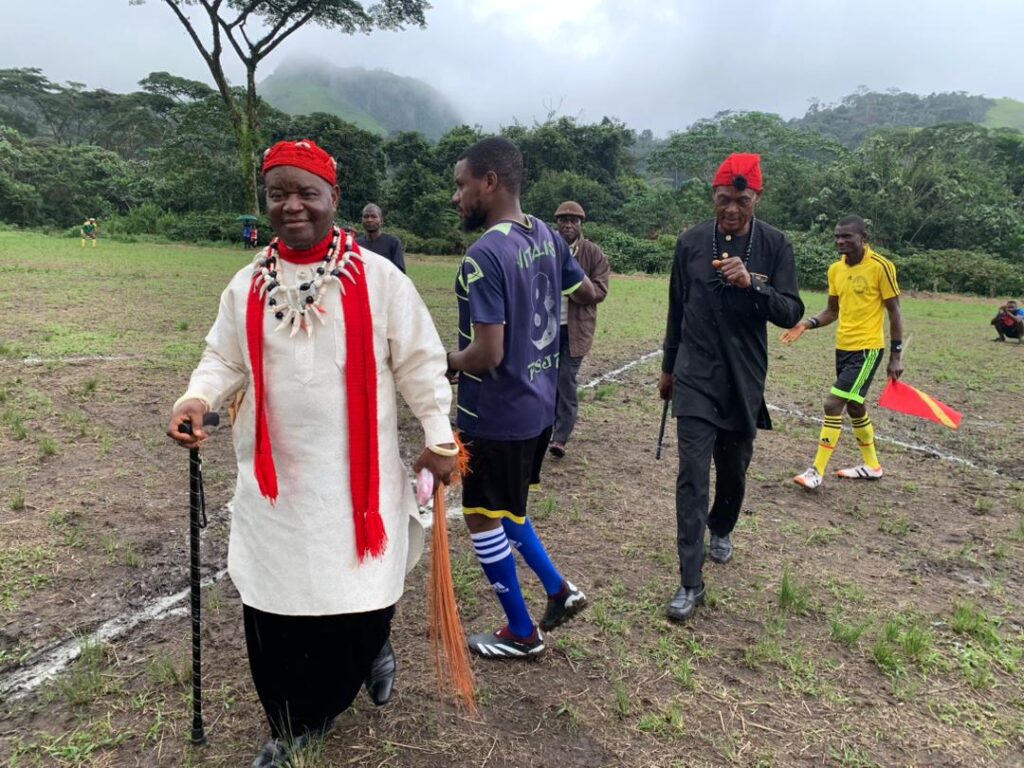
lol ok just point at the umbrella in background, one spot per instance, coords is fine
(247, 217)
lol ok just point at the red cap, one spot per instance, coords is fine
(742, 167)
(304, 154)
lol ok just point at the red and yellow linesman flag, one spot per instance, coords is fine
(904, 398)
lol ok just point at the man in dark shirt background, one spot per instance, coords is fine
(388, 246)
(731, 276)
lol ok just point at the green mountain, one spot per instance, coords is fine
(375, 100)
(1006, 113)
(859, 114)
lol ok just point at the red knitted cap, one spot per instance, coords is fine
(304, 154)
(740, 166)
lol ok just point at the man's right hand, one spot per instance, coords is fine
(452, 374)
(794, 333)
(665, 386)
(191, 411)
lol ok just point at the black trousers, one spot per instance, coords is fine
(308, 669)
(699, 442)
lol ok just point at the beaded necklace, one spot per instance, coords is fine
(750, 243)
(291, 303)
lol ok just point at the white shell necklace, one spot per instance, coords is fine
(296, 305)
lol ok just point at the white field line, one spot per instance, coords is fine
(919, 447)
(455, 511)
(69, 359)
(612, 374)
(23, 681)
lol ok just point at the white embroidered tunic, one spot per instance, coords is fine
(298, 557)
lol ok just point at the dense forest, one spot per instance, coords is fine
(860, 114)
(944, 193)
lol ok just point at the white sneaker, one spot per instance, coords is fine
(863, 472)
(809, 479)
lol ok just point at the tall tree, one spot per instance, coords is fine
(253, 29)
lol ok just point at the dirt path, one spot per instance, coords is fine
(862, 625)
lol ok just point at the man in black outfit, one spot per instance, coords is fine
(388, 246)
(730, 277)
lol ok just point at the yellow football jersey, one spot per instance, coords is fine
(861, 290)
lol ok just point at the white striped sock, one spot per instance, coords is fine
(491, 546)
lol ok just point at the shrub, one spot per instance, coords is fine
(954, 271)
(814, 253)
(941, 271)
(632, 254)
(208, 226)
(451, 243)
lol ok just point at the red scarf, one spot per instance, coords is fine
(361, 386)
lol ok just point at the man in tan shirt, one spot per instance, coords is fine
(579, 321)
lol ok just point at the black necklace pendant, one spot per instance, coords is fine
(750, 242)
(746, 255)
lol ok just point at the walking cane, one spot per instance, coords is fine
(197, 509)
(661, 432)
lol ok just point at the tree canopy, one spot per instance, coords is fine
(164, 160)
(252, 30)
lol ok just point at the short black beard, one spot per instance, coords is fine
(474, 220)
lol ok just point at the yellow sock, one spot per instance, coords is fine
(827, 441)
(865, 434)
(83, 243)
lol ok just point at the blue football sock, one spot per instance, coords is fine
(499, 564)
(525, 539)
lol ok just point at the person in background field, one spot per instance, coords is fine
(89, 230)
(1009, 322)
(254, 236)
(508, 290)
(579, 321)
(388, 246)
(731, 276)
(862, 288)
(324, 523)
(247, 235)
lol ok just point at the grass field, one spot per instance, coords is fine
(863, 625)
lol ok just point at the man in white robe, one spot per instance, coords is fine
(324, 523)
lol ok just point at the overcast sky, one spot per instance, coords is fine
(658, 65)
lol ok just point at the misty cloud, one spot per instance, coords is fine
(657, 65)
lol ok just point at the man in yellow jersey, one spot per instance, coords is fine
(89, 231)
(860, 285)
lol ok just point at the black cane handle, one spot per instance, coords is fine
(212, 419)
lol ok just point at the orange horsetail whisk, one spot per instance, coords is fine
(447, 637)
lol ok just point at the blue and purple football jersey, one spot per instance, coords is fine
(516, 276)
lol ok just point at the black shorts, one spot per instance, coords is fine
(500, 475)
(854, 372)
(1010, 331)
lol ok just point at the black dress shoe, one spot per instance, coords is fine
(721, 548)
(278, 753)
(682, 606)
(381, 680)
